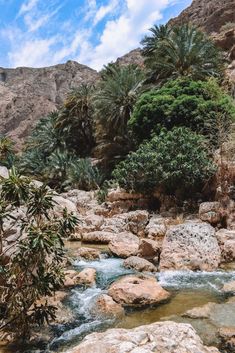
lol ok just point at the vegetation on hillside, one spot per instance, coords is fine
(123, 111)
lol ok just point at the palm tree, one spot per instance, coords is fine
(116, 96)
(75, 121)
(180, 51)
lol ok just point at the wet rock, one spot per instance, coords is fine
(227, 336)
(229, 288)
(161, 337)
(202, 312)
(226, 240)
(149, 249)
(106, 307)
(210, 212)
(88, 253)
(70, 278)
(86, 277)
(190, 246)
(100, 237)
(137, 291)
(125, 245)
(139, 264)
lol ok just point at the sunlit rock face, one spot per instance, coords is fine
(27, 94)
(210, 15)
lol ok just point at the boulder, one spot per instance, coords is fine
(227, 336)
(61, 204)
(226, 240)
(125, 245)
(86, 277)
(210, 212)
(100, 237)
(88, 253)
(70, 278)
(137, 291)
(139, 264)
(160, 337)
(106, 307)
(149, 249)
(156, 228)
(190, 246)
(121, 194)
(137, 221)
(229, 288)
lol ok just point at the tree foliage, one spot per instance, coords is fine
(174, 160)
(34, 269)
(182, 102)
(180, 51)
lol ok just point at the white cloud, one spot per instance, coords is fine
(103, 11)
(28, 6)
(127, 22)
(124, 33)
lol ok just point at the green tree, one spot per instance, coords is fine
(34, 270)
(175, 161)
(116, 95)
(75, 120)
(182, 102)
(180, 51)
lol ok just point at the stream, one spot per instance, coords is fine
(189, 290)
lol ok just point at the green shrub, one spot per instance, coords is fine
(183, 102)
(174, 160)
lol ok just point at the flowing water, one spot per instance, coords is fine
(189, 290)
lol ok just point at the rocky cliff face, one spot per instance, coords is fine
(210, 15)
(27, 94)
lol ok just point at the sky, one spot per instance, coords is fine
(39, 33)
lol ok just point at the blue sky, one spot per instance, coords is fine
(93, 32)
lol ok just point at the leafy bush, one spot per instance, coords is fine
(183, 102)
(174, 160)
(35, 267)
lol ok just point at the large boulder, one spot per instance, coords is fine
(137, 221)
(226, 240)
(149, 249)
(100, 237)
(229, 288)
(160, 337)
(190, 246)
(86, 277)
(156, 228)
(137, 291)
(139, 264)
(125, 245)
(61, 203)
(106, 307)
(210, 212)
(88, 253)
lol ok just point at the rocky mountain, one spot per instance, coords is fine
(27, 94)
(210, 15)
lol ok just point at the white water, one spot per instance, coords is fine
(81, 301)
